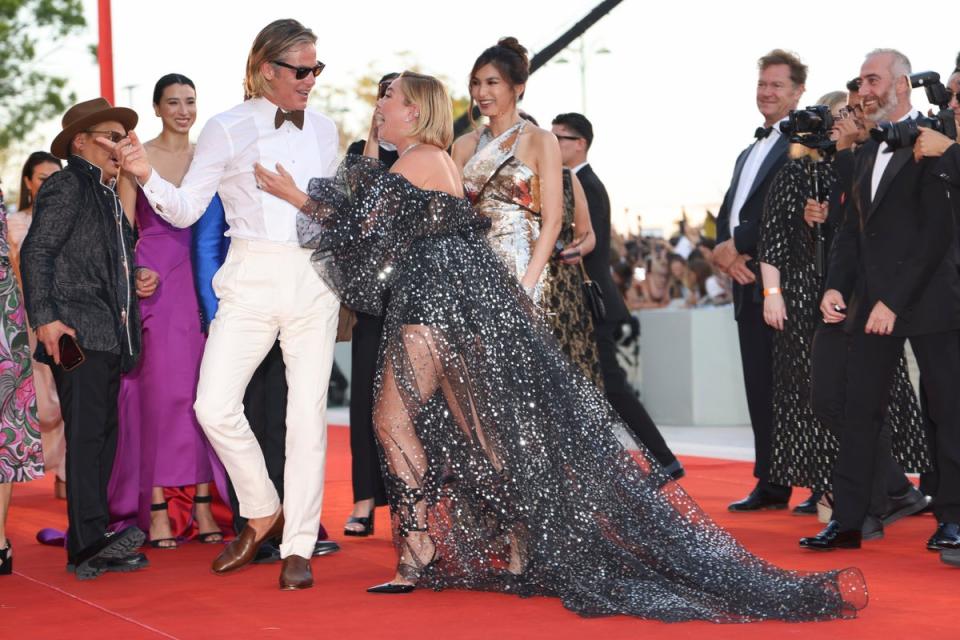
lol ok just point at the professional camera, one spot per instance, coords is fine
(810, 127)
(904, 134)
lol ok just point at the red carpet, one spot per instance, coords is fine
(912, 594)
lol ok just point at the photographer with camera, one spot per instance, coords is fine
(779, 87)
(933, 144)
(902, 436)
(809, 356)
(895, 259)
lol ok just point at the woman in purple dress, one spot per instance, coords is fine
(161, 442)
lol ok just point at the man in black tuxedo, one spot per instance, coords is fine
(896, 261)
(779, 88)
(575, 134)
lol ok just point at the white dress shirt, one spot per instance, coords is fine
(751, 167)
(883, 159)
(229, 145)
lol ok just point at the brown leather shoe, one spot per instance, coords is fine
(295, 574)
(243, 549)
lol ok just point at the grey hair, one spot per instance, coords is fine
(899, 65)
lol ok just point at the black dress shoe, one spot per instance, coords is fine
(132, 562)
(268, 553)
(872, 528)
(832, 538)
(905, 505)
(758, 500)
(951, 557)
(90, 562)
(325, 548)
(392, 588)
(809, 506)
(947, 536)
(675, 470)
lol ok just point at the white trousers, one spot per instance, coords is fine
(265, 289)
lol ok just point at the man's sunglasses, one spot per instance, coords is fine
(113, 136)
(301, 72)
(560, 137)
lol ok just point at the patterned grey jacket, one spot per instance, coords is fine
(77, 263)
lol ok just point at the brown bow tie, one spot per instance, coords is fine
(296, 117)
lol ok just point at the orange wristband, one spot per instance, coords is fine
(772, 291)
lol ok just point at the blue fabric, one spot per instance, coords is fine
(209, 250)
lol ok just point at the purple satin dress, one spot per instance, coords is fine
(160, 441)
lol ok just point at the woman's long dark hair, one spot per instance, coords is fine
(33, 161)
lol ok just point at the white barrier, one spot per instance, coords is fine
(690, 363)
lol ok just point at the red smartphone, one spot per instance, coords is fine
(71, 355)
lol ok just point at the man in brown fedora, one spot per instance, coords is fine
(80, 287)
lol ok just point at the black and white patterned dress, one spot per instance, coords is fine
(804, 449)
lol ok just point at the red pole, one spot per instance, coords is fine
(105, 50)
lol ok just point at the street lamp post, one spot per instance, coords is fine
(581, 50)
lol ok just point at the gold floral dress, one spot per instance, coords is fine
(563, 304)
(505, 190)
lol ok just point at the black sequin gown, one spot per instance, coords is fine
(804, 450)
(503, 467)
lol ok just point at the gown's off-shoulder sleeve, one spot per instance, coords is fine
(364, 220)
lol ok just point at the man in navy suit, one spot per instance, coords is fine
(779, 88)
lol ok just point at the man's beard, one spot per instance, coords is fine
(889, 105)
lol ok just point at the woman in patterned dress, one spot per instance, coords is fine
(21, 458)
(39, 166)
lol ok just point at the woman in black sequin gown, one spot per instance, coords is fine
(804, 449)
(503, 464)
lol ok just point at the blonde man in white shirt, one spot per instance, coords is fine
(266, 287)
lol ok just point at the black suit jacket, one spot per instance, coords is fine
(899, 247)
(949, 165)
(751, 215)
(77, 263)
(597, 262)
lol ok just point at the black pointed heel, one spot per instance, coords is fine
(366, 523)
(392, 588)
(6, 557)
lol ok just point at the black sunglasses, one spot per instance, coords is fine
(114, 136)
(301, 72)
(560, 137)
(382, 88)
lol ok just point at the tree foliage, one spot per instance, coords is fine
(352, 107)
(28, 30)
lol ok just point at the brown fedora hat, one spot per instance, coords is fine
(84, 115)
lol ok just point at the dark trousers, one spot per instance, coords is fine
(623, 398)
(265, 406)
(756, 356)
(872, 361)
(929, 480)
(88, 400)
(828, 395)
(365, 348)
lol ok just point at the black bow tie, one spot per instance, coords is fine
(296, 117)
(762, 132)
